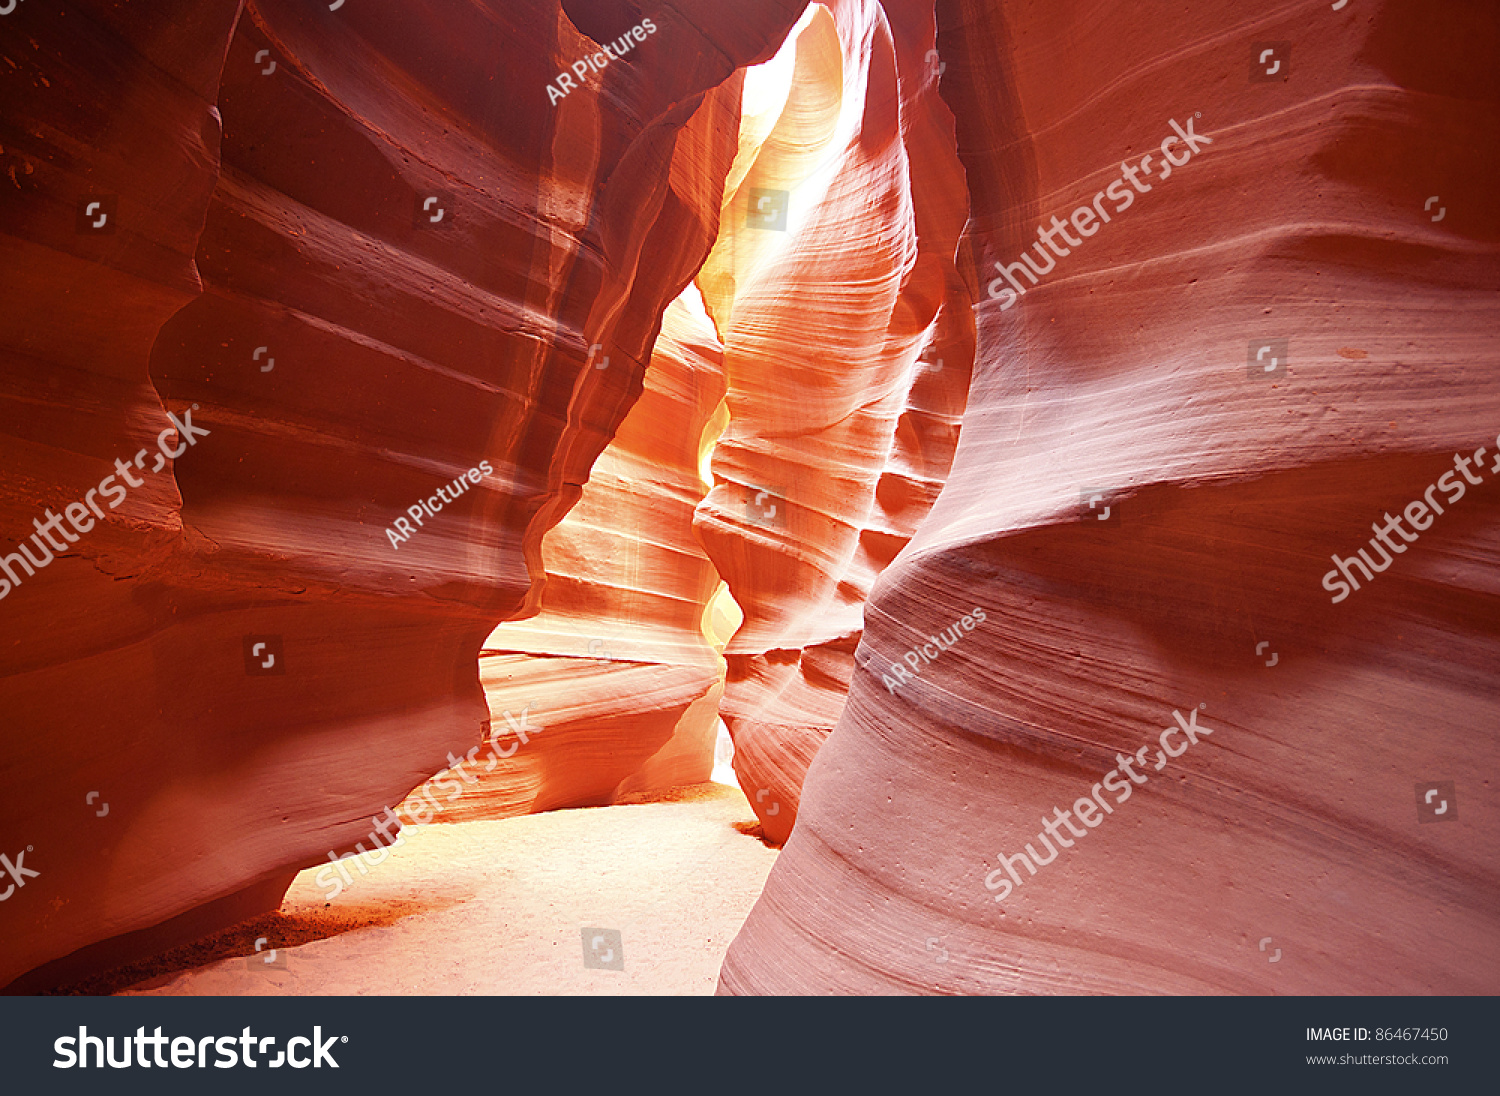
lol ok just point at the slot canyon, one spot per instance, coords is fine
(485, 513)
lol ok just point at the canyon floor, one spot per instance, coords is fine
(500, 908)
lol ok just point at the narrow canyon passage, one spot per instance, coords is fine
(614, 689)
(812, 499)
(630, 529)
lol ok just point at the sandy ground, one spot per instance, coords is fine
(501, 908)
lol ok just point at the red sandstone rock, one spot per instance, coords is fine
(838, 437)
(407, 352)
(398, 354)
(613, 689)
(1124, 372)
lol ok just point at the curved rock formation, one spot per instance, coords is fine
(300, 377)
(830, 277)
(613, 689)
(1130, 378)
(350, 353)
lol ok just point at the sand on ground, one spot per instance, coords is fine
(502, 908)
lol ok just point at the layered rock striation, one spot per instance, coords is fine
(1149, 514)
(612, 690)
(368, 256)
(352, 406)
(847, 352)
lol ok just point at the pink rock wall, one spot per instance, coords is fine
(1296, 831)
(838, 436)
(612, 689)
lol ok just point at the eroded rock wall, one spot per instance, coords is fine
(1129, 376)
(110, 142)
(612, 689)
(349, 353)
(847, 354)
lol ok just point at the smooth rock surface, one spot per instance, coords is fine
(1295, 830)
(833, 287)
(613, 689)
(348, 355)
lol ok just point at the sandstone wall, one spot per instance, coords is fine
(612, 689)
(1125, 373)
(348, 354)
(847, 354)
